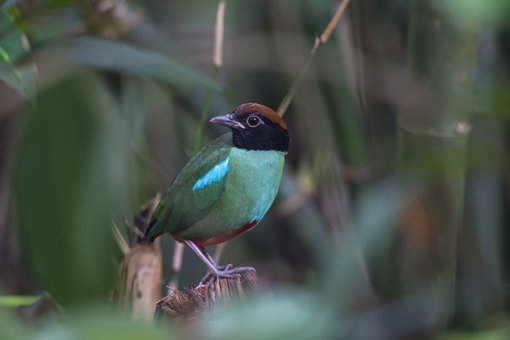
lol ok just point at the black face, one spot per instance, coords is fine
(254, 131)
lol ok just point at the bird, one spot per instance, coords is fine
(227, 187)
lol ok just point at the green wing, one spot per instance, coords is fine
(181, 206)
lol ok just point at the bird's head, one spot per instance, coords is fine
(256, 127)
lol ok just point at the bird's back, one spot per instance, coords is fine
(183, 205)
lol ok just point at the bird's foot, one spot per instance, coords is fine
(210, 275)
(227, 272)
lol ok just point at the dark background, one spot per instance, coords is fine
(391, 220)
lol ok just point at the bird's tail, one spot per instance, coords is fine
(144, 240)
(152, 232)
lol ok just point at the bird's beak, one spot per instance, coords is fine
(227, 120)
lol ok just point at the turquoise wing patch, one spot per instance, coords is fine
(184, 204)
(214, 175)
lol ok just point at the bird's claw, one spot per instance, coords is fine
(226, 267)
(220, 269)
(227, 272)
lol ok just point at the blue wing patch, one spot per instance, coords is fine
(212, 176)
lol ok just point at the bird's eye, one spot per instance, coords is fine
(253, 121)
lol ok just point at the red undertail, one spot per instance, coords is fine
(224, 238)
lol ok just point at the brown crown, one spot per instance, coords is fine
(263, 110)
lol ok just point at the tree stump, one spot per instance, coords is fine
(188, 303)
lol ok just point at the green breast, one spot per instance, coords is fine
(253, 182)
(251, 187)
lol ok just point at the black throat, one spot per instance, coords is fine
(270, 136)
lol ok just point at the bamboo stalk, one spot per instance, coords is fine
(431, 155)
(138, 289)
(217, 60)
(218, 35)
(218, 252)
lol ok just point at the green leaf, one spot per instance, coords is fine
(103, 324)
(72, 178)
(10, 328)
(95, 323)
(22, 78)
(468, 11)
(17, 300)
(492, 334)
(123, 58)
(286, 314)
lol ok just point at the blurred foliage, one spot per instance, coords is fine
(292, 310)
(11, 49)
(83, 167)
(93, 324)
(464, 12)
(101, 104)
(16, 301)
(126, 59)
